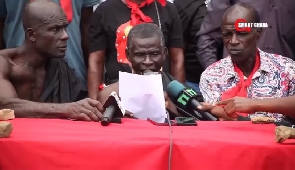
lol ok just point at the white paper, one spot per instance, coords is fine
(142, 95)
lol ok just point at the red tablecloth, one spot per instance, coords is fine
(48, 144)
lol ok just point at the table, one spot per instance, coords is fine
(51, 144)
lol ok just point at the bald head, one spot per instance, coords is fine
(40, 12)
(241, 11)
(45, 26)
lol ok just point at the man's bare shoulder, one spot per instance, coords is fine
(8, 53)
(5, 63)
(7, 57)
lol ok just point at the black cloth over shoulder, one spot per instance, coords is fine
(61, 83)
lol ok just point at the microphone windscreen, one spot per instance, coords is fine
(174, 88)
(149, 72)
(113, 99)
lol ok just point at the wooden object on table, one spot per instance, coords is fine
(5, 129)
(6, 114)
(283, 133)
(262, 120)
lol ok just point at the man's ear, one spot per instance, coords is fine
(127, 54)
(30, 33)
(165, 53)
(128, 58)
(259, 32)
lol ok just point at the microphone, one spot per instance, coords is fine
(185, 98)
(113, 110)
(149, 72)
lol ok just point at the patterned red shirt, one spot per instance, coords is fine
(274, 78)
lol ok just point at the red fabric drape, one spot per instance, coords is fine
(240, 89)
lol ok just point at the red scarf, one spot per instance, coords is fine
(68, 9)
(240, 90)
(66, 5)
(137, 16)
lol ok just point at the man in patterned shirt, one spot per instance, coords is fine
(248, 71)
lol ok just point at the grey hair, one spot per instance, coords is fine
(145, 30)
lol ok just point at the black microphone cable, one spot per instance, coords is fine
(170, 141)
(188, 114)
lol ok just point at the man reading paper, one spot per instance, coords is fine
(145, 51)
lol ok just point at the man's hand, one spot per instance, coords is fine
(129, 115)
(217, 111)
(238, 104)
(86, 109)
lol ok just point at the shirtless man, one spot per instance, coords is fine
(34, 74)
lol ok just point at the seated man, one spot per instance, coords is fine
(248, 71)
(145, 51)
(35, 71)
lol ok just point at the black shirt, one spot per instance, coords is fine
(110, 14)
(191, 13)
